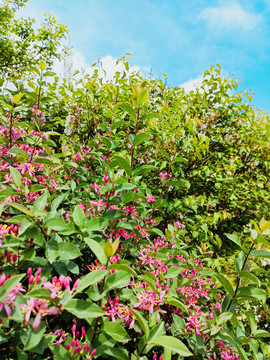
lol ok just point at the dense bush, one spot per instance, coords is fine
(124, 209)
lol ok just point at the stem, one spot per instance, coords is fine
(99, 303)
(39, 90)
(10, 128)
(110, 136)
(239, 278)
(41, 229)
(136, 130)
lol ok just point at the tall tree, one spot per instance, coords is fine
(21, 45)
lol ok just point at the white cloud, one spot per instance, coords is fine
(192, 84)
(231, 16)
(108, 66)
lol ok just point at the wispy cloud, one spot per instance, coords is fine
(107, 67)
(192, 84)
(231, 16)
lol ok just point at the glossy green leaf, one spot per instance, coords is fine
(116, 331)
(225, 283)
(124, 268)
(68, 251)
(16, 176)
(140, 138)
(173, 344)
(124, 164)
(97, 249)
(17, 98)
(91, 278)
(83, 309)
(143, 96)
(35, 336)
(56, 224)
(141, 321)
(78, 216)
(250, 293)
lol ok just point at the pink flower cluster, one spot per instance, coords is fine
(114, 309)
(39, 307)
(77, 346)
(56, 285)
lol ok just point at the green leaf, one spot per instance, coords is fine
(140, 138)
(35, 336)
(120, 187)
(9, 285)
(224, 317)
(83, 309)
(42, 65)
(116, 331)
(143, 170)
(128, 109)
(52, 250)
(261, 334)
(97, 250)
(173, 344)
(124, 268)
(172, 272)
(39, 294)
(157, 330)
(235, 239)
(141, 321)
(131, 196)
(68, 251)
(16, 176)
(175, 302)
(124, 163)
(149, 281)
(17, 98)
(113, 214)
(18, 151)
(56, 224)
(260, 254)
(142, 97)
(117, 353)
(108, 249)
(78, 216)
(156, 231)
(241, 261)
(49, 73)
(25, 224)
(95, 224)
(250, 293)
(248, 276)
(91, 278)
(42, 160)
(106, 141)
(40, 203)
(117, 280)
(225, 283)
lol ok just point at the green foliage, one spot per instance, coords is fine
(132, 220)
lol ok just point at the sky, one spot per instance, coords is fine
(179, 38)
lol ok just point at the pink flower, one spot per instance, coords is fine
(150, 198)
(55, 286)
(98, 204)
(39, 306)
(163, 175)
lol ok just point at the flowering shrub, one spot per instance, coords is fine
(96, 262)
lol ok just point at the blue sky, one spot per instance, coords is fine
(179, 38)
